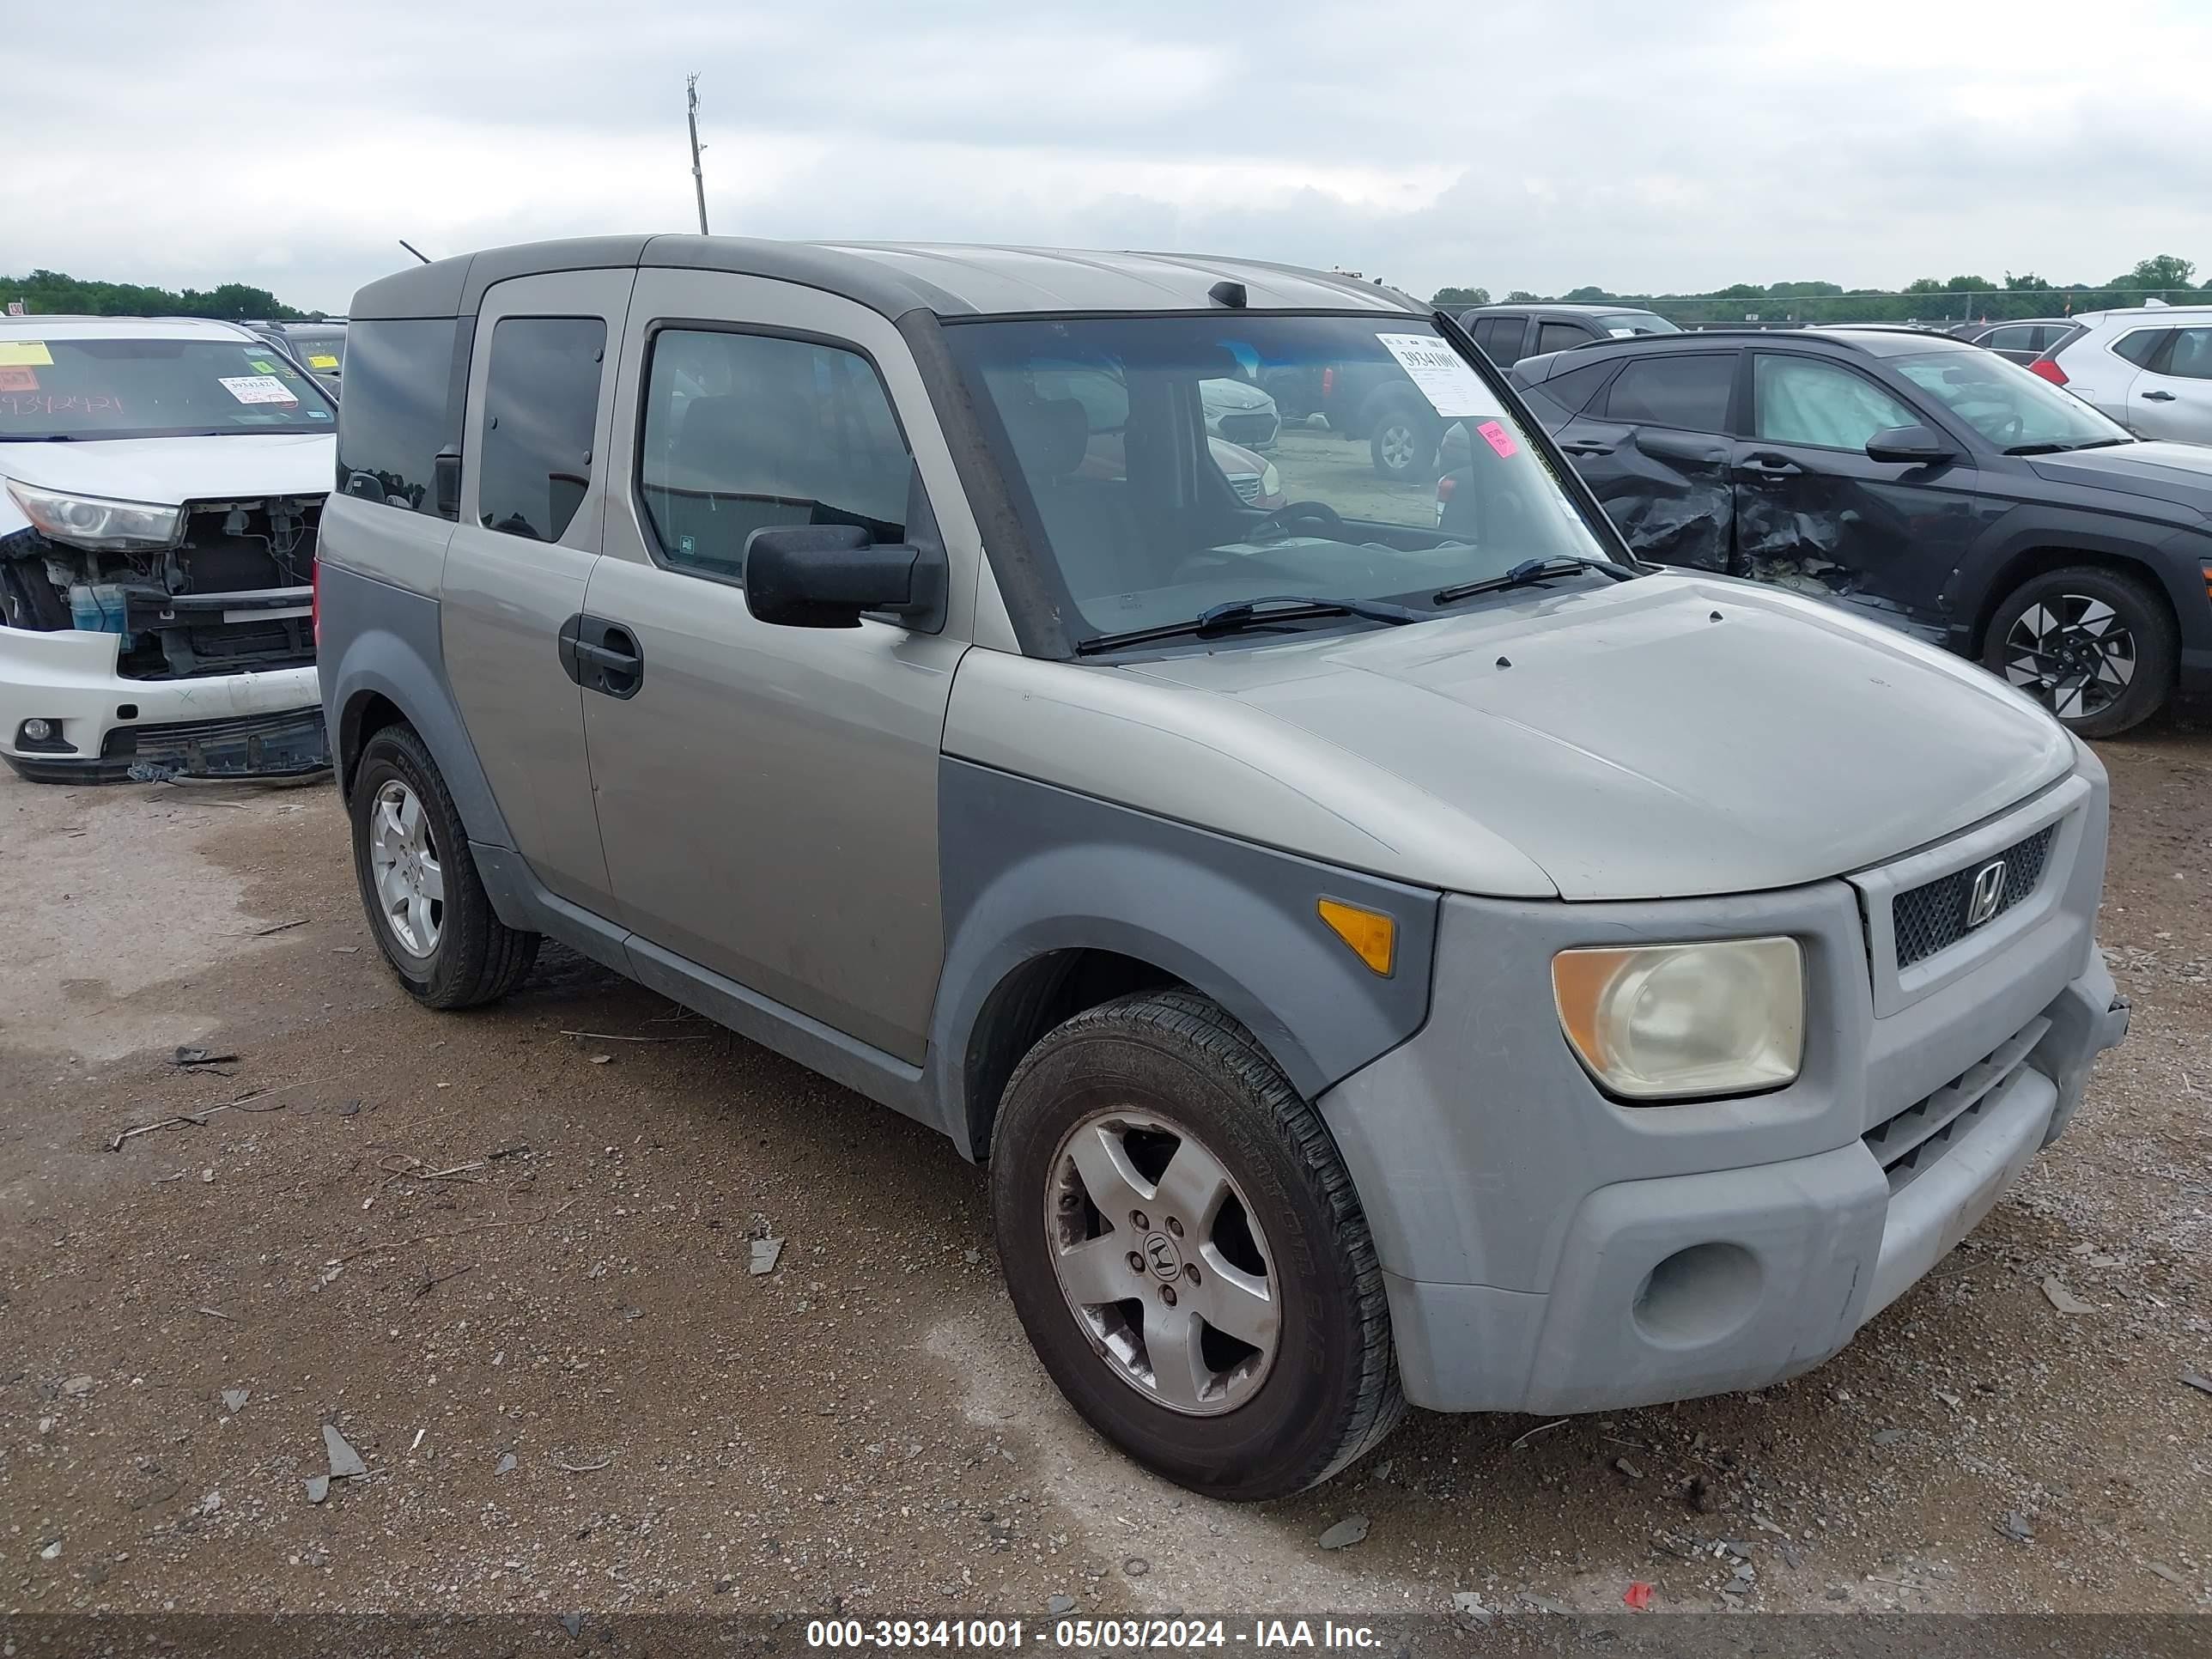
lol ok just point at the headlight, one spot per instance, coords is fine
(1271, 481)
(1665, 1022)
(90, 521)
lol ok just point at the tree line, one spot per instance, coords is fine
(1960, 299)
(48, 293)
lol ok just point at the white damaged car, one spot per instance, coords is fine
(162, 482)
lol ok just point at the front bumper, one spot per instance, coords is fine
(258, 723)
(1545, 1249)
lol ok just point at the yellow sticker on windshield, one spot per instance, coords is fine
(25, 353)
(322, 360)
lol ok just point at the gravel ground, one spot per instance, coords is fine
(511, 1267)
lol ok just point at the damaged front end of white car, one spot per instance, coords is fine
(158, 521)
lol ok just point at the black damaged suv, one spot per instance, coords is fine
(1920, 479)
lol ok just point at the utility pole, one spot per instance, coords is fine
(698, 179)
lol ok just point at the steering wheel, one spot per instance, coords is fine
(1279, 522)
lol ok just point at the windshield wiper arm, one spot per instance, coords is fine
(1530, 571)
(1237, 614)
(37, 437)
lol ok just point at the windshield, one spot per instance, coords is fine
(126, 387)
(322, 350)
(1637, 322)
(2005, 403)
(1149, 519)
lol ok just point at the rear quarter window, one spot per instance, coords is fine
(405, 379)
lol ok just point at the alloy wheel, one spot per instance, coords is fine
(2072, 654)
(1397, 446)
(411, 882)
(1162, 1261)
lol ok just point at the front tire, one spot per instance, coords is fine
(1184, 1248)
(2096, 646)
(426, 904)
(1402, 446)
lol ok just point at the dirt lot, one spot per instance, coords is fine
(570, 1392)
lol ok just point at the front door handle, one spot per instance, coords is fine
(1772, 466)
(1586, 449)
(2160, 397)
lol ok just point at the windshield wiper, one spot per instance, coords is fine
(1237, 614)
(37, 437)
(1531, 571)
(2066, 449)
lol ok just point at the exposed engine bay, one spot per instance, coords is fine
(234, 593)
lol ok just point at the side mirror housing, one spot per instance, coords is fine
(1910, 444)
(831, 575)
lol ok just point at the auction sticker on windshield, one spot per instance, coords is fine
(25, 353)
(1444, 378)
(258, 389)
(322, 360)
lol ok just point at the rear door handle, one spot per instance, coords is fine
(2160, 397)
(1586, 449)
(601, 656)
(1772, 466)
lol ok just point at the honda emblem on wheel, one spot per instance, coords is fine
(1982, 897)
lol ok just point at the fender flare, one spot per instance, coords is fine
(1235, 921)
(384, 658)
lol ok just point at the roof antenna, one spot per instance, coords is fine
(1227, 293)
(417, 252)
(691, 115)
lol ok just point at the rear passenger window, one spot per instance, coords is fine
(404, 382)
(2138, 347)
(1500, 340)
(1558, 337)
(1689, 391)
(541, 404)
(746, 432)
(1571, 390)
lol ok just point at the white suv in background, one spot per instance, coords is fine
(2149, 368)
(162, 484)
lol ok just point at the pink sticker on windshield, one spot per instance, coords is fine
(1498, 438)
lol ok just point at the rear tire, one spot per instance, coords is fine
(450, 950)
(1116, 1124)
(2096, 646)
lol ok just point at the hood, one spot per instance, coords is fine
(1232, 394)
(170, 471)
(1636, 748)
(2179, 474)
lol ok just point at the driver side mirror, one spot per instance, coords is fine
(831, 575)
(1910, 444)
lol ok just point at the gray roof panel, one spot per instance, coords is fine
(947, 280)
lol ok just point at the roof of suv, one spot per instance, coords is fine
(2141, 314)
(1872, 339)
(1519, 307)
(948, 280)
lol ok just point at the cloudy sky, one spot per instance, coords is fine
(1635, 146)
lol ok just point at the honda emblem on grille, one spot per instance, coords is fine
(1987, 890)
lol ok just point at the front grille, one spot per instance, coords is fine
(1930, 917)
(1248, 428)
(1247, 484)
(1910, 1144)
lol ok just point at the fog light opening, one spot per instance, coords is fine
(1697, 1295)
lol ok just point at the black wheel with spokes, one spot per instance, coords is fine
(2097, 647)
